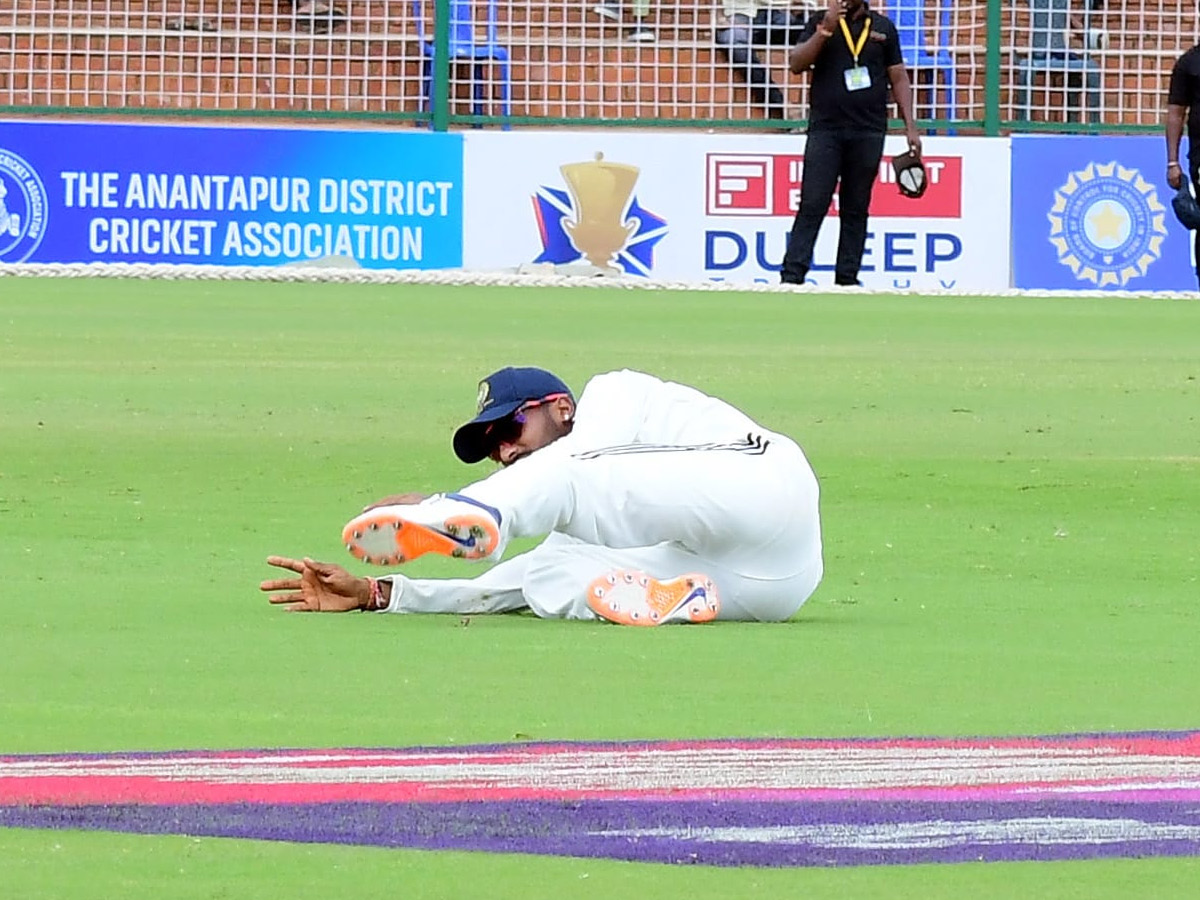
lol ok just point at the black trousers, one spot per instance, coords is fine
(1194, 168)
(852, 157)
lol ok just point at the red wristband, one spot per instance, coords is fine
(377, 601)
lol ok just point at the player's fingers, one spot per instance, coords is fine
(391, 500)
(300, 607)
(285, 562)
(323, 570)
(280, 599)
(408, 499)
(280, 584)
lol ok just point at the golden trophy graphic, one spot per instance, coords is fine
(600, 193)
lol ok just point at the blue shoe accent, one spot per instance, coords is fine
(490, 510)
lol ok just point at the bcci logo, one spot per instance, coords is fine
(600, 220)
(1107, 224)
(23, 208)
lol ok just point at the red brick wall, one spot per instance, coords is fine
(565, 61)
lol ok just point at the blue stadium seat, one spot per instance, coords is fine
(466, 46)
(909, 18)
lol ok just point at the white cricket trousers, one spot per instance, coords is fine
(745, 514)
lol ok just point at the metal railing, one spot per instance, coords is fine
(979, 66)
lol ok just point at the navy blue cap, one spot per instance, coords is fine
(1187, 210)
(502, 394)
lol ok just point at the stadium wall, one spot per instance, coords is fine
(690, 207)
(705, 207)
(82, 193)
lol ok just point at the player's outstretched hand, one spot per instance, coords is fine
(321, 587)
(396, 500)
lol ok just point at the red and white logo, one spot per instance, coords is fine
(768, 184)
(740, 184)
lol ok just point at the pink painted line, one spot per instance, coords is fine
(114, 791)
(807, 770)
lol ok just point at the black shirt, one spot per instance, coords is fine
(1185, 91)
(831, 105)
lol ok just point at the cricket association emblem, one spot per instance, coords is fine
(23, 208)
(598, 218)
(1107, 224)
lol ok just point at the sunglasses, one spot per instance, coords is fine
(508, 430)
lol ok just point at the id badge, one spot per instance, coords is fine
(858, 78)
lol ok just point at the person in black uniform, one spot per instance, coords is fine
(1183, 101)
(855, 56)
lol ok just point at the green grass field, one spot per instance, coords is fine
(1010, 495)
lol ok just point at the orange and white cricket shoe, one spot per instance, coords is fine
(449, 524)
(630, 597)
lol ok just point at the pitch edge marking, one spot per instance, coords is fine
(729, 802)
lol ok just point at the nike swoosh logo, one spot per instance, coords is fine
(692, 595)
(465, 543)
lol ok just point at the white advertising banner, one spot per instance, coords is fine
(706, 207)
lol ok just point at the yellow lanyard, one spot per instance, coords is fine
(862, 38)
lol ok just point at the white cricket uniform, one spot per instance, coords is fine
(654, 476)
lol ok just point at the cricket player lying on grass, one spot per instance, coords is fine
(661, 504)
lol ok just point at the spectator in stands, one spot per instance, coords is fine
(760, 23)
(1183, 102)
(1059, 41)
(318, 16)
(641, 32)
(854, 54)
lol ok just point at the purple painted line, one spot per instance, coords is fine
(720, 833)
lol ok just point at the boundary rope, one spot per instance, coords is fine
(526, 276)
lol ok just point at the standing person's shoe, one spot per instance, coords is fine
(643, 34)
(630, 597)
(447, 524)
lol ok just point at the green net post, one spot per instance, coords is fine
(441, 65)
(991, 93)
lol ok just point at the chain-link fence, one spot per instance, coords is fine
(711, 63)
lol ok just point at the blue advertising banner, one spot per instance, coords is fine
(84, 192)
(1094, 212)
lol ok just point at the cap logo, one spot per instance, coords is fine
(484, 400)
